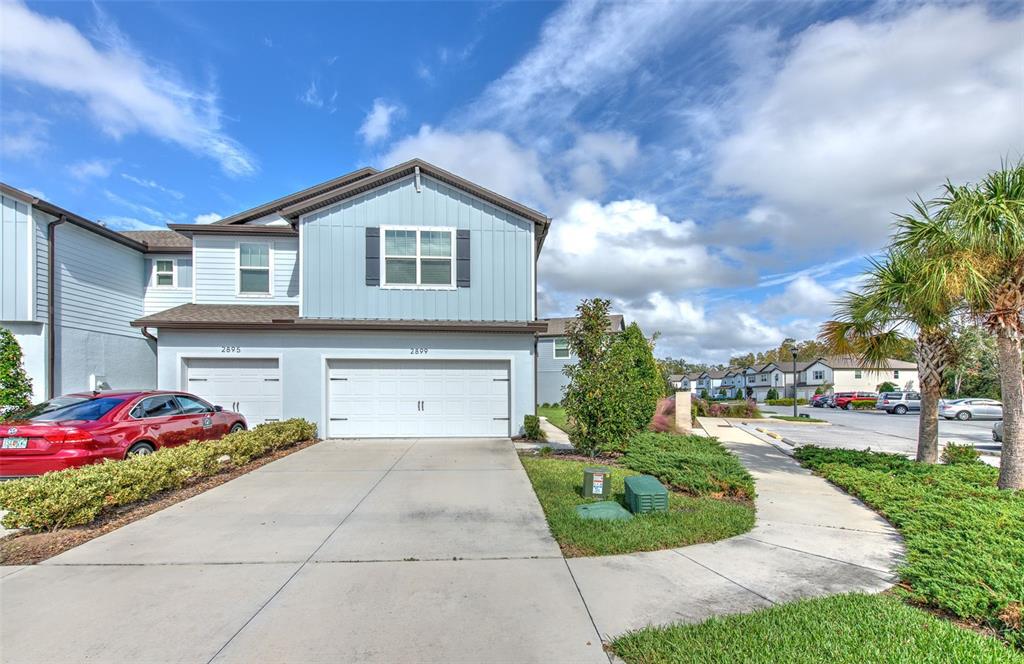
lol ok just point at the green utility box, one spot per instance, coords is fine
(645, 494)
(604, 510)
(597, 482)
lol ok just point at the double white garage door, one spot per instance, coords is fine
(370, 398)
(417, 398)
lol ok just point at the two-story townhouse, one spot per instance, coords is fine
(384, 303)
(69, 289)
(675, 381)
(689, 381)
(710, 381)
(850, 374)
(734, 383)
(764, 378)
(554, 354)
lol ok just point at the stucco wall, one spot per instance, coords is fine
(302, 356)
(32, 339)
(550, 380)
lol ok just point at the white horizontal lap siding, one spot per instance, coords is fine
(215, 270)
(161, 298)
(42, 267)
(101, 283)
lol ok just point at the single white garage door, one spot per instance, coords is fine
(250, 386)
(418, 398)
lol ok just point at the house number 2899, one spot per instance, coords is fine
(417, 351)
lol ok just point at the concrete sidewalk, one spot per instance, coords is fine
(811, 539)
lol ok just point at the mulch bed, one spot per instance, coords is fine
(29, 548)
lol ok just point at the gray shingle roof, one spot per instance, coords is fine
(556, 326)
(160, 239)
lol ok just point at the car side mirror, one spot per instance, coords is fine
(218, 409)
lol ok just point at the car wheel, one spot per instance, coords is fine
(963, 415)
(238, 426)
(140, 449)
(848, 406)
(900, 410)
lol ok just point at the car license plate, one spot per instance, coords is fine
(15, 443)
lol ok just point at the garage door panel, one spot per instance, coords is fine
(254, 384)
(418, 398)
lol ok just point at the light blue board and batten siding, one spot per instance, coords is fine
(16, 267)
(101, 283)
(215, 270)
(334, 257)
(159, 299)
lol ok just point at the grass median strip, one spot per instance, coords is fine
(845, 629)
(710, 496)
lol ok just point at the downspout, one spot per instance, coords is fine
(149, 335)
(51, 317)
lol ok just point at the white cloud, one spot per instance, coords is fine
(593, 153)
(130, 224)
(312, 97)
(23, 135)
(377, 124)
(208, 218)
(650, 252)
(860, 115)
(488, 158)
(152, 184)
(123, 92)
(138, 208)
(92, 169)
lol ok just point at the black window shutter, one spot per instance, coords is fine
(462, 258)
(372, 256)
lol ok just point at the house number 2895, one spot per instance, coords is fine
(230, 349)
(417, 351)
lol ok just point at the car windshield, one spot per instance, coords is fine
(68, 408)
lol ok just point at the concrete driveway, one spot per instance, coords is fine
(348, 551)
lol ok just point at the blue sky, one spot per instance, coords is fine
(719, 170)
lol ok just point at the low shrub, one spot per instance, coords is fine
(696, 465)
(77, 496)
(963, 535)
(863, 405)
(788, 401)
(664, 420)
(771, 395)
(743, 409)
(954, 454)
(531, 428)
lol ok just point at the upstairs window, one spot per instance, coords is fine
(896, 373)
(819, 375)
(561, 348)
(253, 268)
(857, 374)
(164, 270)
(418, 258)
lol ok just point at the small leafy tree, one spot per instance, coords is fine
(15, 385)
(614, 389)
(818, 391)
(772, 394)
(704, 394)
(887, 386)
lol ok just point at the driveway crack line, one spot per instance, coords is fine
(817, 555)
(600, 640)
(310, 557)
(732, 581)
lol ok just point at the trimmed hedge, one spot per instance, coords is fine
(531, 428)
(788, 401)
(696, 465)
(77, 496)
(863, 405)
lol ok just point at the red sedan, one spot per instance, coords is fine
(79, 429)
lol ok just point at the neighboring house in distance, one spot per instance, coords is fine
(73, 324)
(676, 381)
(381, 303)
(846, 374)
(553, 355)
(689, 381)
(710, 381)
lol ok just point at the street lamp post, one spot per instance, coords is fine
(793, 349)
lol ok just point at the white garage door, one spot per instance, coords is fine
(418, 398)
(248, 385)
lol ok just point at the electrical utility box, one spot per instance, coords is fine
(645, 494)
(597, 482)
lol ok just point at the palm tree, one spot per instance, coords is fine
(978, 237)
(896, 304)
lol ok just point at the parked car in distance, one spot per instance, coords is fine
(997, 431)
(820, 400)
(831, 403)
(79, 429)
(898, 403)
(971, 409)
(845, 400)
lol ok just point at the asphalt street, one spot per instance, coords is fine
(878, 430)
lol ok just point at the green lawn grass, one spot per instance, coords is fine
(790, 418)
(690, 520)
(845, 629)
(556, 415)
(964, 537)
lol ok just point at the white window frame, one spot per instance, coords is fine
(419, 258)
(896, 374)
(238, 270)
(554, 349)
(157, 273)
(819, 374)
